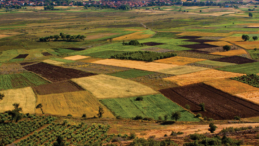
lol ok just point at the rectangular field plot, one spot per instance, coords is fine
(251, 96)
(133, 73)
(95, 68)
(74, 103)
(152, 106)
(194, 54)
(76, 57)
(215, 63)
(247, 68)
(178, 60)
(235, 59)
(11, 68)
(56, 73)
(217, 103)
(179, 70)
(53, 62)
(201, 76)
(58, 87)
(104, 86)
(141, 65)
(20, 80)
(231, 53)
(25, 97)
(231, 86)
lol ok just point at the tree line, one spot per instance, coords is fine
(63, 37)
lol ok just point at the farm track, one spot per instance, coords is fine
(248, 54)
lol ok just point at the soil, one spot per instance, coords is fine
(26, 63)
(56, 73)
(216, 49)
(197, 54)
(218, 105)
(58, 87)
(46, 54)
(76, 49)
(21, 56)
(235, 59)
(197, 40)
(152, 43)
(199, 46)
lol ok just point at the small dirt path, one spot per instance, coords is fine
(248, 55)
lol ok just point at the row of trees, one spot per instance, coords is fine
(247, 37)
(63, 37)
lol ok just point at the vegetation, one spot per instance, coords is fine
(143, 56)
(232, 129)
(1, 96)
(202, 105)
(245, 37)
(176, 116)
(70, 38)
(226, 47)
(212, 128)
(133, 42)
(132, 73)
(255, 38)
(142, 141)
(251, 79)
(40, 106)
(247, 68)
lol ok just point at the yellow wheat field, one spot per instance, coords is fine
(53, 62)
(218, 43)
(230, 53)
(197, 33)
(133, 36)
(248, 44)
(89, 60)
(74, 103)
(104, 86)
(201, 76)
(178, 60)
(149, 66)
(76, 57)
(232, 39)
(252, 96)
(23, 96)
(231, 86)
(184, 69)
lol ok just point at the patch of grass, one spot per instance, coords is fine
(152, 106)
(16, 60)
(215, 63)
(164, 34)
(133, 73)
(251, 79)
(104, 54)
(254, 54)
(247, 68)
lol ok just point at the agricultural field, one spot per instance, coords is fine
(235, 59)
(230, 53)
(247, 68)
(184, 69)
(105, 86)
(214, 63)
(152, 106)
(251, 79)
(178, 60)
(133, 73)
(74, 103)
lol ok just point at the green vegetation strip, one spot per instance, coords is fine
(152, 106)
(133, 73)
(215, 63)
(251, 79)
(254, 54)
(247, 68)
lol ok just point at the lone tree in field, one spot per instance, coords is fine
(250, 14)
(176, 116)
(16, 116)
(202, 105)
(255, 38)
(1, 96)
(59, 142)
(226, 48)
(40, 106)
(140, 98)
(101, 112)
(212, 127)
(245, 37)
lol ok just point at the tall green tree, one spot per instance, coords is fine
(212, 128)
(255, 38)
(250, 14)
(40, 106)
(245, 37)
(101, 112)
(176, 116)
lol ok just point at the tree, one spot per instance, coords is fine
(40, 106)
(250, 14)
(202, 105)
(245, 37)
(255, 38)
(212, 127)
(16, 116)
(59, 142)
(165, 117)
(226, 47)
(176, 116)
(68, 37)
(140, 98)
(56, 37)
(82, 37)
(200, 11)
(101, 112)
(1, 96)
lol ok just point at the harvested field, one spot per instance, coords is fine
(95, 68)
(194, 54)
(195, 33)
(76, 57)
(53, 62)
(56, 73)
(184, 69)
(104, 86)
(98, 36)
(46, 54)
(252, 96)
(247, 44)
(230, 53)
(223, 105)
(201, 76)
(152, 106)
(219, 43)
(178, 60)
(74, 103)
(25, 97)
(133, 36)
(231, 86)
(235, 59)
(133, 73)
(247, 68)
(215, 63)
(217, 49)
(11, 68)
(141, 65)
(58, 87)
(155, 81)
(232, 39)
(152, 43)
(90, 60)
(159, 50)
(21, 56)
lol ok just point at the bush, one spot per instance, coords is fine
(226, 47)
(84, 116)
(196, 136)
(255, 49)
(198, 115)
(134, 42)
(69, 115)
(138, 118)
(140, 98)
(187, 106)
(245, 37)
(237, 118)
(202, 105)
(212, 127)
(132, 136)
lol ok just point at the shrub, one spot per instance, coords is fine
(198, 115)
(196, 136)
(187, 106)
(226, 47)
(237, 118)
(212, 127)
(138, 118)
(202, 105)
(140, 98)
(132, 136)
(84, 116)
(210, 119)
(255, 38)
(69, 115)
(245, 37)
(255, 49)
(134, 42)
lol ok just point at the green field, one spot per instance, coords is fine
(152, 106)
(254, 54)
(215, 63)
(247, 68)
(133, 73)
(25, 79)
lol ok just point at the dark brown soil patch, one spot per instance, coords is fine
(219, 105)
(198, 46)
(235, 59)
(159, 50)
(21, 56)
(58, 87)
(155, 81)
(153, 43)
(217, 49)
(56, 73)
(196, 54)
(46, 54)
(76, 49)
(95, 68)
